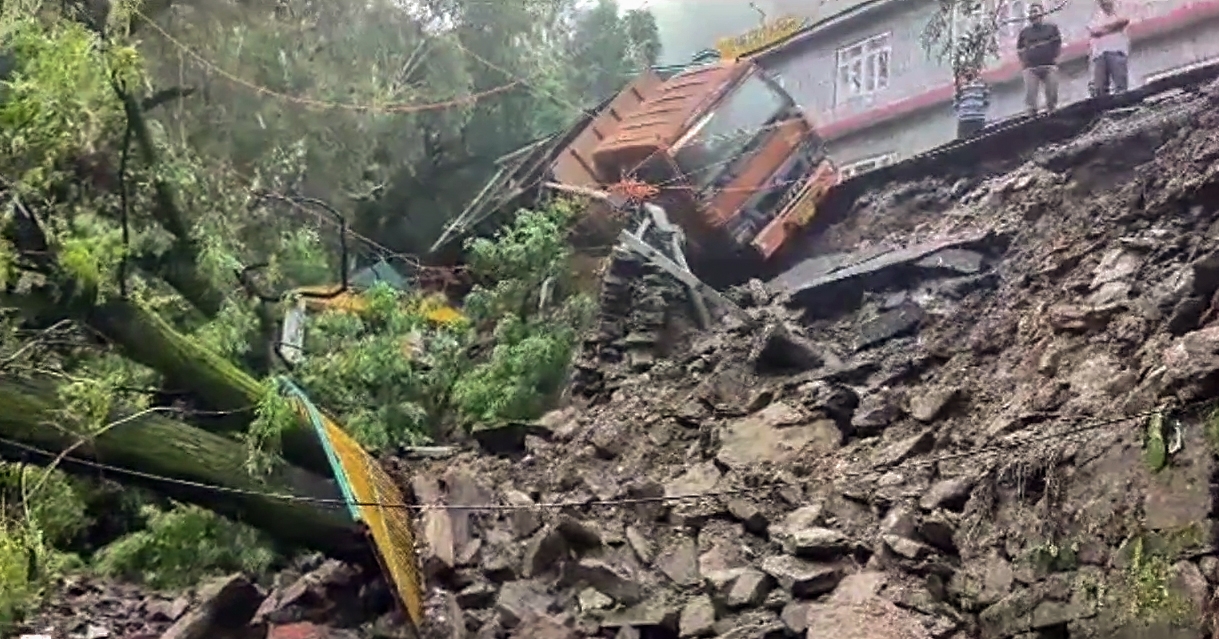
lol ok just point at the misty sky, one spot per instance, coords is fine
(687, 26)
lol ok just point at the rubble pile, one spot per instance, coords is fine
(636, 305)
(980, 411)
(945, 426)
(315, 598)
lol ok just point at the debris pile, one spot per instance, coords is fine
(315, 599)
(981, 411)
(936, 431)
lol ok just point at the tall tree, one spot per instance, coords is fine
(608, 47)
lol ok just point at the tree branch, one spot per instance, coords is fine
(179, 266)
(165, 95)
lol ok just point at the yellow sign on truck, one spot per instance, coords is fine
(759, 38)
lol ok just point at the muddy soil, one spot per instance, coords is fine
(1007, 437)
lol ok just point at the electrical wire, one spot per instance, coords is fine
(612, 503)
(324, 104)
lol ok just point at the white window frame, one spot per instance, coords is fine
(852, 169)
(863, 68)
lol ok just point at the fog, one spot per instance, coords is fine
(688, 26)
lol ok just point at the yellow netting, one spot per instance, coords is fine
(390, 527)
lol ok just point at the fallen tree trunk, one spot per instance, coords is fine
(184, 463)
(145, 337)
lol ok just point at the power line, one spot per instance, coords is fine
(323, 104)
(613, 503)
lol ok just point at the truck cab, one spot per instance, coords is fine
(736, 162)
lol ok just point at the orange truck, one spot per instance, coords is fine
(734, 161)
(721, 147)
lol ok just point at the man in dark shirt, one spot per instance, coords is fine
(1038, 46)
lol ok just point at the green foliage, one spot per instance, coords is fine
(533, 342)
(272, 417)
(386, 371)
(41, 508)
(1148, 595)
(229, 332)
(963, 35)
(608, 47)
(181, 546)
(527, 366)
(19, 587)
(394, 374)
(58, 103)
(49, 501)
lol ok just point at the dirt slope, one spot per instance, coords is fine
(953, 447)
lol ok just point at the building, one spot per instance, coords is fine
(860, 69)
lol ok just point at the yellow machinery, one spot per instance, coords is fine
(372, 498)
(329, 298)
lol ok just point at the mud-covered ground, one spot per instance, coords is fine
(1006, 437)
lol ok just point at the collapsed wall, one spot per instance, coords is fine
(1000, 430)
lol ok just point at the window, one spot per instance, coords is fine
(852, 169)
(863, 68)
(730, 128)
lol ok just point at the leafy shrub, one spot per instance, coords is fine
(18, 588)
(181, 546)
(42, 508)
(53, 502)
(398, 367)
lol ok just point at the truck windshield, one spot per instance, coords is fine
(729, 129)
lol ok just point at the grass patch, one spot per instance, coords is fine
(181, 546)
(1050, 557)
(1210, 429)
(1148, 595)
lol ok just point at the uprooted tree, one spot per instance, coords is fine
(155, 154)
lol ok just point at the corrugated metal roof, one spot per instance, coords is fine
(661, 116)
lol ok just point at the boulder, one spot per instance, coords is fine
(749, 589)
(679, 562)
(224, 604)
(776, 434)
(747, 512)
(610, 580)
(697, 618)
(544, 628)
(801, 578)
(949, 493)
(519, 601)
(874, 618)
(812, 542)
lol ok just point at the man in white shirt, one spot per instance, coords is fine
(1110, 49)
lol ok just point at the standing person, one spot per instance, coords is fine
(1110, 49)
(1038, 46)
(970, 103)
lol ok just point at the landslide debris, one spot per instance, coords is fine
(943, 428)
(943, 441)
